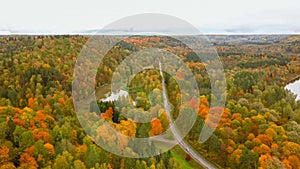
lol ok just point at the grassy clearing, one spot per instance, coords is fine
(179, 154)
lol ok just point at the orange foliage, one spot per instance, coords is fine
(43, 125)
(18, 110)
(50, 148)
(203, 108)
(294, 161)
(156, 127)
(62, 101)
(81, 150)
(4, 154)
(31, 102)
(291, 148)
(152, 77)
(264, 149)
(286, 163)
(42, 135)
(265, 139)
(263, 160)
(19, 122)
(229, 149)
(274, 147)
(109, 166)
(27, 161)
(237, 116)
(40, 116)
(29, 150)
(32, 125)
(271, 132)
(231, 143)
(251, 136)
(225, 120)
(8, 166)
(40, 158)
(108, 113)
(236, 155)
(256, 141)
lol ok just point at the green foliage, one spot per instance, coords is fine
(93, 156)
(26, 139)
(63, 161)
(248, 159)
(245, 80)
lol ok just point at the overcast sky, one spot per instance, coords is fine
(210, 16)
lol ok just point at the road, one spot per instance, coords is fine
(205, 163)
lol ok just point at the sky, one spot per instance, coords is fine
(209, 16)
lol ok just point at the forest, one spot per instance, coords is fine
(259, 124)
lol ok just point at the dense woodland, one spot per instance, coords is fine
(259, 126)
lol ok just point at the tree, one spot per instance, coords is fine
(245, 80)
(140, 164)
(50, 149)
(294, 161)
(63, 161)
(27, 162)
(143, 130)
(4, 156)
(174, 164)
(19, 130)
(249, 159)
(79, 165)
(26, 139)
(40, 153)
(213, 144)
(156, 127)
(108, 114)
(8, 166)
(188, 157)
(127, 127)
(266, 139)
(164, 119)
(93, 156)
(43, 135)
(56, 133)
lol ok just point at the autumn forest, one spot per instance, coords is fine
(258, 126)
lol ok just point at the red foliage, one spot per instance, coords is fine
(188, 157)
(19, 122)
(108, 113)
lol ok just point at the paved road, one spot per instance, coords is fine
(182, 143)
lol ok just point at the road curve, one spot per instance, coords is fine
(185, 146)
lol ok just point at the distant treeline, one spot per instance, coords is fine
(261, 63)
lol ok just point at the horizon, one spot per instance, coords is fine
(92, 33)
(209, 17)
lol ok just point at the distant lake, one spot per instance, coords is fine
(115, 96)
(294, 88)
